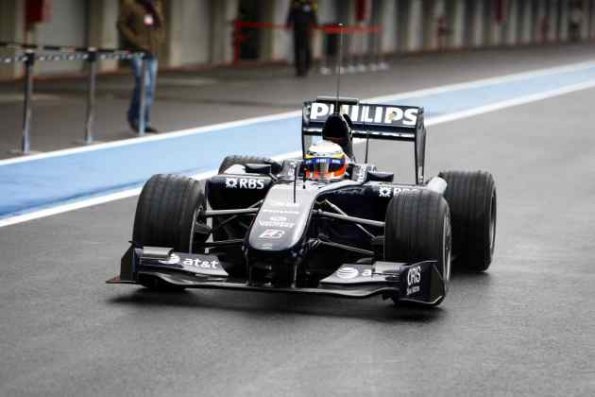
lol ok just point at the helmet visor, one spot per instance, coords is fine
(324, 165)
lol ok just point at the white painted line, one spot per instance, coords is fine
(149, 138)
(489, 81)
(280, 116)
(429, 122)
(59, 209)
(510, 103)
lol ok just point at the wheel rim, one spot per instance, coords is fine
(493, 224)
(446, 248)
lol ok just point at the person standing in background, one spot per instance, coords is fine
(141, 24)
(576, 20)
(302, 18)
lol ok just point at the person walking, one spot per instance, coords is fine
(142, 27)
(302, 18)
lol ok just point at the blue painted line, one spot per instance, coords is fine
(34, 185)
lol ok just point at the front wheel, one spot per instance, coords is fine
(471, 197)
(165, 215)
(418, 229)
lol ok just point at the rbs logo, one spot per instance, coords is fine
(244, 183)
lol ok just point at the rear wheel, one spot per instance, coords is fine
(243, 160)
(471, 197)
(165, 215)
(417, 229)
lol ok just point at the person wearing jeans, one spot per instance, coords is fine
(141, 25)
(150, 83)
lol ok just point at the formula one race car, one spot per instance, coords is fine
(323, 224)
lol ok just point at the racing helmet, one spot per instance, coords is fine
(325, 161)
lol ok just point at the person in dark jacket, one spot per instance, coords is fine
(142, 27)
(302, 18)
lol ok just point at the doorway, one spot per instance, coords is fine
(250, 38)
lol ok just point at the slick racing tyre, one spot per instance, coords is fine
(243, 160)
(417, 229)
(471, 197)
(165, 215)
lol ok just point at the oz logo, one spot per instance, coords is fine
(413, 276)
(413, 280)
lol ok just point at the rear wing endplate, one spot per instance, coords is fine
(371, 121)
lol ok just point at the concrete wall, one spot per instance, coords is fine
(200, 31)
(512, 23)
(402, 20)
(102, 32)
(189, 38)
(11, 29)
(552, 21)
(526, 25)
(387, 16)
(56, 32)
(280, 39)
(415, 30)
(222, 15)
(456, 23)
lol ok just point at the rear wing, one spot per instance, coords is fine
(371, 121)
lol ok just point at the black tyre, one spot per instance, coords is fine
(243, 160)
(165, 214)
(471, 197)
(417, 229)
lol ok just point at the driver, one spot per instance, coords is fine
(325, 161)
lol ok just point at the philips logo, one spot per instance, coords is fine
(369, 114)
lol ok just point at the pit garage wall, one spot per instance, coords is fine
(200, 31)
(12, 17)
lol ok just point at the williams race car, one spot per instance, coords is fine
(322, 224)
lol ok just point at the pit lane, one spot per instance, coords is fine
(522, 328)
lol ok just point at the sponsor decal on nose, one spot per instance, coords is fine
(272, 234)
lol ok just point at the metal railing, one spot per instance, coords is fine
(31, 54)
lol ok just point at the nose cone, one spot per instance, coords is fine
(282, 221)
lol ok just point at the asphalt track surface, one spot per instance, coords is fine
(523, 328)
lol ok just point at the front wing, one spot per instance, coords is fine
(419, 282)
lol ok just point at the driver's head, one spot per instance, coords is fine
(325, 161)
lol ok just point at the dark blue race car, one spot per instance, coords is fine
(321, 224)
